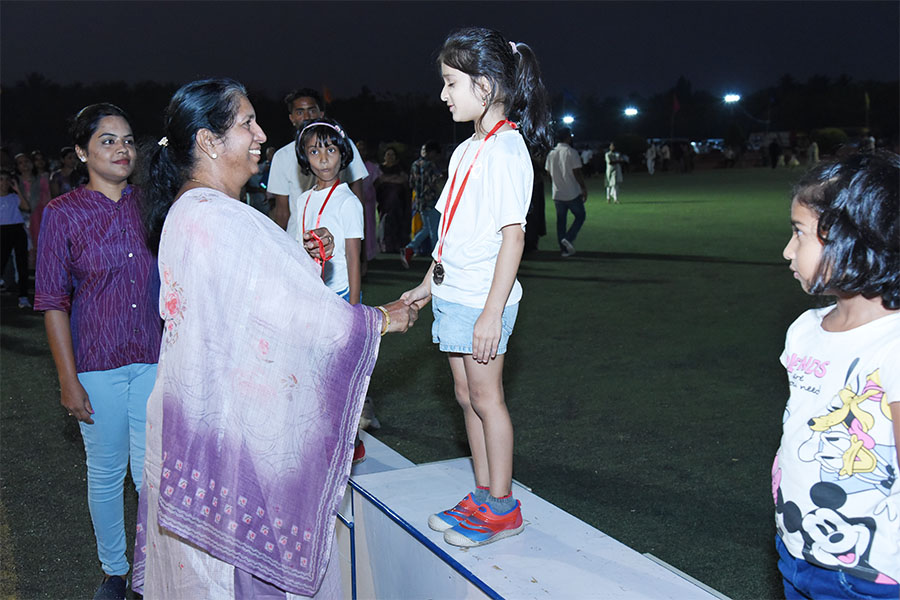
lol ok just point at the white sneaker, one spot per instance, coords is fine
(568, 248)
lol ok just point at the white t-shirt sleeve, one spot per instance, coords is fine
(280, 171)
(352, 217)
(573, 161)
(508, 188)
(890, 374)
(356, 170)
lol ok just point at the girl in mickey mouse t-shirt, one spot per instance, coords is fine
(835, 477)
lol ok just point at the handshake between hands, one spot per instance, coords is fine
(402, 313)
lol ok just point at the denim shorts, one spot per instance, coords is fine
(454, 325)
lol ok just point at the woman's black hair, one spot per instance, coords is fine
(857, 201)
(85, 123)
(210, 104)
(326, 131)
(65, 151)
(515, 79)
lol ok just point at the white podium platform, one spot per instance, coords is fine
(388, 552)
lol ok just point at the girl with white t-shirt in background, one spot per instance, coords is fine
(490, 82)
(323, 149)
(835, 480)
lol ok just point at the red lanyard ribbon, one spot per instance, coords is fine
(448, 215)
(321, 260)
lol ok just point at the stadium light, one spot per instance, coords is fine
(568, 119)
(631, 111)
(731, 98)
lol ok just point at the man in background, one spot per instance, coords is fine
(569, 190)
(286, 181)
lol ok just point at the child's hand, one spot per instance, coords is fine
(486, 337)
(312, 244)
(418, 296)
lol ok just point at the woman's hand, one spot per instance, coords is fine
(14, 186)
(312, 244)
(75, 400)
(486, 336)
(402, 315)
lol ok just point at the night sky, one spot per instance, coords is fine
(606, 48)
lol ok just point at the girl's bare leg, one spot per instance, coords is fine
(479, 391)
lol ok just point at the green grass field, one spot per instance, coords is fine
(642, 379)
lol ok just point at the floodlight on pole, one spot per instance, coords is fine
(732, 98)
(568, 119)
(631, 111)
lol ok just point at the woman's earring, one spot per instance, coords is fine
(214, 155)
(484, 101)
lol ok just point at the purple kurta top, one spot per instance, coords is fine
(93, 262)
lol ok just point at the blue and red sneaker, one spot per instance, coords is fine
(484, 527)
(446, 519)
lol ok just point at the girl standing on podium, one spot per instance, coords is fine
(496, 85)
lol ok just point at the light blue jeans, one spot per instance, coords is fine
(119, 399)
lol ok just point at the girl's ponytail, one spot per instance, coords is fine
(515, 79)
(530, 103)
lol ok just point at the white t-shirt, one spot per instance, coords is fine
(9, 210)
(497, 194)
(560, 163)
(343, 216)
(835, 478)
(286, 179)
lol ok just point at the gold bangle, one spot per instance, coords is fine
(386, 321)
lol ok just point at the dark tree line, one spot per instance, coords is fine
(819, 103)
(35, 111)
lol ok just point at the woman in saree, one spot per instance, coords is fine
(262, 374)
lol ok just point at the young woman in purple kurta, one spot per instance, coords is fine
(97, 284)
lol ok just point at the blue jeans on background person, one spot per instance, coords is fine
(426, 237)
(803, 580)
(119, 399)
(576, 206)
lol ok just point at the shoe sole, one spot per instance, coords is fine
(457, 539)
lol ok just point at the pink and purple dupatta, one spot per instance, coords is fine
(262, 375)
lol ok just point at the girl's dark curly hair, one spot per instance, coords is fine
(856, 201)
